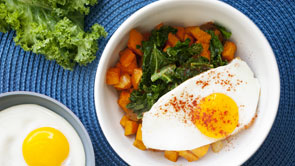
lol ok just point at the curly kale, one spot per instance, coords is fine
(54, 28)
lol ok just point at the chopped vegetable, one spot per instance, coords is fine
(123, 120)
(229, 50)
(172, 39)
(113, 76)
(225, 33)
(201, 151)
(127, 57)
(136, 76)
(189, 156)
(52, 28)
(124, 83)
(135, 39)
(180, 33)
(124, 99)
(130, 127)
(171, 155)
(129, 69)
(217, 146)
(139, 145)
(139, 133)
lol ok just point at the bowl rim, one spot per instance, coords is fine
(108, 49)
(87, 139)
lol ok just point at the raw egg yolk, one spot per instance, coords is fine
(216, 116)
(45, 146)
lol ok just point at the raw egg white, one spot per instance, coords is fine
(206, 108)
(33, 135)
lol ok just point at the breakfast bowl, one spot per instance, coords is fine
(23, 110)
(252, 47)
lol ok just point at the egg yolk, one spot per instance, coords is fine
(45, 146)
(216, 116)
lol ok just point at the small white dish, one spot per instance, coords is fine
(252, 48)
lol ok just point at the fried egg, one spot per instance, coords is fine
(204, 109)
(33, 135)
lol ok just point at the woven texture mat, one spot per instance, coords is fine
(25, 71)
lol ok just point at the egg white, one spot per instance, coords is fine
(18, 121)
(164, 128)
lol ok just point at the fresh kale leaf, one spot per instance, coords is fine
(182, 51)
(225, 33)
(165, 74)
(216, 49)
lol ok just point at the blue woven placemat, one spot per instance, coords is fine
(25, 71)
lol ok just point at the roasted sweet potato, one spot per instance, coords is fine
(129, 69)
(123, 120)
(124, 99)
(139, 145)
(189, 156)
(130, 127)
(201, 151)
(217, 146)
(171, 155)
(172, 39)
(113, 76)
(136, 76)
(200, 35)
(205, 52)
(135, 39)
(229, 50)
(180, 33)
(126, 57)
(124, 83)
(139, 133)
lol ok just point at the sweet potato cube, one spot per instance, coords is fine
(172, 39)
(229, 50)
(124, 99)
(129, 69)
(159, 26)
(188, 30)
(113, 76)
(126, 57)
(135, 39)
(124, 83)
(139, 133)
(217, 146)
(201, 151)
(205, 52)
(136, 76)
(166, 47)
(130, 127)
(180, 33)
(187, 36)
(123, 120)
(200, 35)
(189, 156)
(139, 145)
(171, 155)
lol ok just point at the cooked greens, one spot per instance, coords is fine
(163, 71)
(52, 28)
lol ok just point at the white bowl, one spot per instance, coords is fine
(252, 47)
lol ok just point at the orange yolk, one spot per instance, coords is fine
(216, 116)
(45, 146)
